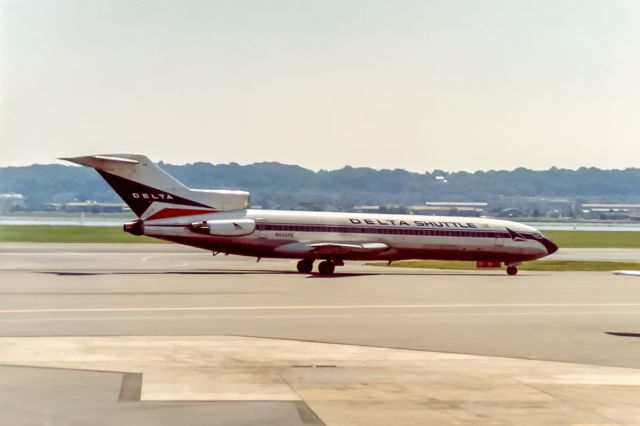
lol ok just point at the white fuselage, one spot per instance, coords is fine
(285, 233)
(218, 220)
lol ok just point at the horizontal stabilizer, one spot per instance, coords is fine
(98, 160)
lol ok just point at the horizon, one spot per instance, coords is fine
(163, 162)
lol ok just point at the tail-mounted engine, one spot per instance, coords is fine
(224, 228)
(136, 227)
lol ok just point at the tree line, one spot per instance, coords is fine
(276, 185)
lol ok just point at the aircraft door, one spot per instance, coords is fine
(260, 231)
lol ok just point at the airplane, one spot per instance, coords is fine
(221, 221)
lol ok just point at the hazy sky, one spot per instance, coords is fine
(420, 85)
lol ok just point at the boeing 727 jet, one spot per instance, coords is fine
(220, 221)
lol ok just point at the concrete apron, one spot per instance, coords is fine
(348, 385)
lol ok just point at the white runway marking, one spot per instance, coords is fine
(632, 273)
(312, 307)
(317, 316)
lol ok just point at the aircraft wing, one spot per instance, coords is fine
(331, 248)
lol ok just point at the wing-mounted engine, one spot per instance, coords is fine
(224, 228)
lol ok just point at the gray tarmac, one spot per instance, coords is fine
(176, 331)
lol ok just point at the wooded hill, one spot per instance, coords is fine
(275, 185)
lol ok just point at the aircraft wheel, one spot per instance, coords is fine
(305, 266)
(512, 270)
(326, 267)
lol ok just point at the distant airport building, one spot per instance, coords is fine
(95, 207)
(611, 211)
(386, 209)
(366, 209)
(550, 204)
(472, 209)
(509, 212)
(11, 202)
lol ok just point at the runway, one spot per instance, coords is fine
(71, 306)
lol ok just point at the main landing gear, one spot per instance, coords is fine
(512, 270)
(326, 267)
(305, 266)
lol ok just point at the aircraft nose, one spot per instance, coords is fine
(549, 245)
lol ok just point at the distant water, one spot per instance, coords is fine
(550, 226)
(93, 221)
(7, 220)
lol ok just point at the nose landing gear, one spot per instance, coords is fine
(512, 270)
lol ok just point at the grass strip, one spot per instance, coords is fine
(595, 239)
(540, 265)
(69, 234)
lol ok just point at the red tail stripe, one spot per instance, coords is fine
(171, 213)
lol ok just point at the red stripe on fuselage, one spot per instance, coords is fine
(171, 213)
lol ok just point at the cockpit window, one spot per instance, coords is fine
(537, 235)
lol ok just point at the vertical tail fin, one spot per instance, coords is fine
(154, 194)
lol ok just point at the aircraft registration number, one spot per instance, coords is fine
(284, 234)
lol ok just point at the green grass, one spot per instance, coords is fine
(595, 239)
(69, 234)
(541, 265)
